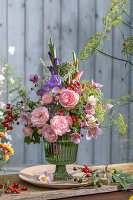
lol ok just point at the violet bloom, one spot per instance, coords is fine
(24, 117)
(34, 78)
(93, 132)
(50, 84)
(57, 90)
(75, 137)
(56, 60)
(50, 55)
(96, 85)
(46, 178)
(51, 69)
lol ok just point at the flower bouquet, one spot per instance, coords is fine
(62, 107)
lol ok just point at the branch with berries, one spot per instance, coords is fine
(111, 175)
(16, 188)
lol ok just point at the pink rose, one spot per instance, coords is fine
(60, 125)
(47, 98)
(69, 99)
(40, 116)
(69, 119)
(48, 133)
(27, 131)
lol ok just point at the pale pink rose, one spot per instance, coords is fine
(27, 131)
(69, 119)
(69, 99)
(60, 125)
(48, 133)
(47, 98)
(40, 116)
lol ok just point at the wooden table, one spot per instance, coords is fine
(112, 192)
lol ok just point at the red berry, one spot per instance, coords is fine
(77, 119)
(86, 166)
(10, 113)
(8, 128)
(6, 191)
(7, 117)
(88, 175)
(1, 185)
(7, 121)
(3, 122)
(15, 185)
(8, 107)
(16, 119)
(8, 104)
(23, 188)
(85, 170)
(73, 88)
(17, 191)
(5, 125)
(10, 188)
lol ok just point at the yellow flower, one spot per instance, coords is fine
(5, 147)
(6, 156)
(2, 134)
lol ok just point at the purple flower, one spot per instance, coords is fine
(51, 69)
(46, 178)
(50, 84)
(75, 137)
(34, 78)
(83, 123)
(56, 60)
(93, 132)
(24, 117)
(57, 90)
(50, 55)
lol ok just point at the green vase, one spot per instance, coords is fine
(61, 153)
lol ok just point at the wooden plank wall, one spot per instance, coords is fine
(27, 25)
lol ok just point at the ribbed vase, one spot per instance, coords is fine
(61, 153)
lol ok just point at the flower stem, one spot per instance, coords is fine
(113, 57)
(127, 25)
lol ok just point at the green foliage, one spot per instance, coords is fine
(66, 69)
(92, 45)
(128, 46)
(114, 16)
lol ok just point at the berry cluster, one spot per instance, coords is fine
(89, 174)
(9, 118)
(74, 119)
(15, 188)
(74, 86)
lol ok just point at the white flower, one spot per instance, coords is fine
(1, 114)
(46, 178)
(8, 143)
(11, 50)
(1, 77)
(8, 137)
(91, 99)
(2, 105)
(12, 80)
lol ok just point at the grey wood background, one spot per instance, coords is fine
(27, 25)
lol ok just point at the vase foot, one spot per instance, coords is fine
(61, 173)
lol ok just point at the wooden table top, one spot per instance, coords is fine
(111, 192)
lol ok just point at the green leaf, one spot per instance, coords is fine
(122, 183)
(115, 178)
(125, 175)
(27, 140)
